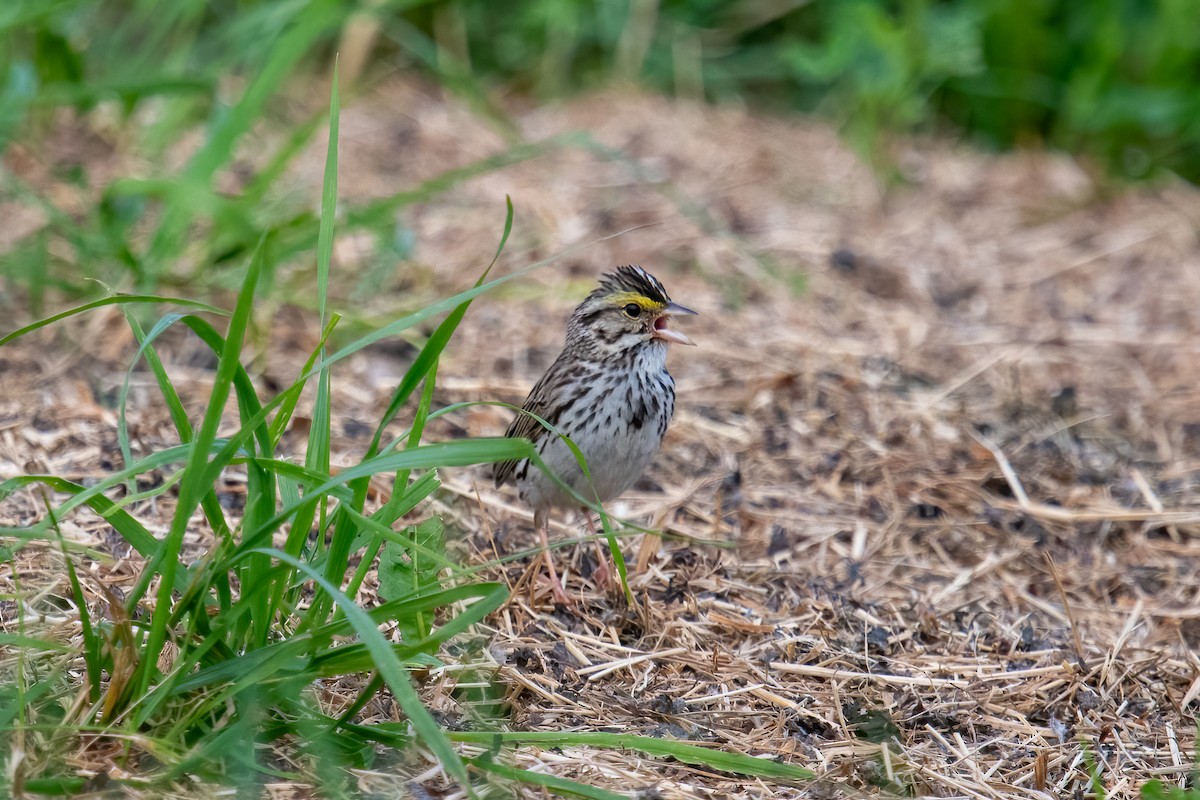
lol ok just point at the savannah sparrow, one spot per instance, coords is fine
(609, 391)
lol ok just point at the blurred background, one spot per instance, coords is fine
(133, 130)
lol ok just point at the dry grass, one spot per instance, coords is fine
(931, 524)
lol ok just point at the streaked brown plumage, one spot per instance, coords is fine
(609, 391)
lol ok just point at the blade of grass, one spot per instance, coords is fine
(250, 409)
(23, 641)
(174, 405)
(125, 524)
(75, 94)
(736, 763)
(559, 786)
(320, 432)
(193, 488)
(316, 455)
(253, 416)
(251, 426)
(117, 299)
(329, 187)
(235, 741)
(91, 642)
(427, 358)
(237, 439)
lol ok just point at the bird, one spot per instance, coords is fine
(609, 392)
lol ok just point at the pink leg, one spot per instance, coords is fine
(556, 587)
(601, 574)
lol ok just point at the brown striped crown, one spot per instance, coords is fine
(632, 278)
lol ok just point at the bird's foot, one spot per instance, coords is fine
(602, 573)
(560, 595)
(602, 576)
(556, 588)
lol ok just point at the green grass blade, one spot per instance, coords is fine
(192, 488)
(316, 462)
(234, 741)
(423, 366)
(380, 531)
(559, 786)
(59, 786)
(328, 200)
(487, 596)
(26, 642)
(254, 424)
(179, 417)
(239, 438)
(117, 299)
(63, 94)
(174, 405)
(721, 760)
(294, 657)
(377, 530)
(91, 642)
(218, 664)
(251, 410)
(387, 513)
(81, 495)
(125, 524)
(320, 432)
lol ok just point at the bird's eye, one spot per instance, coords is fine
(633, 310)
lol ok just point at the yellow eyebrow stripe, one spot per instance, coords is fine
(625, 298)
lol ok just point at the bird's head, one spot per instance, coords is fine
(628, 310)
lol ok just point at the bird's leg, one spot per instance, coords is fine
(540, 523)
(600, 575)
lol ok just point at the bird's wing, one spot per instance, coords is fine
(538, 402)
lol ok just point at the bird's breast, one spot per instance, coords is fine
(618, 422)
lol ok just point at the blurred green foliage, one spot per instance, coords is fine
(1112, 79)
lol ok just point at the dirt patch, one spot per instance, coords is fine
(931, 522)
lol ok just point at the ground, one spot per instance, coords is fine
(928, 501)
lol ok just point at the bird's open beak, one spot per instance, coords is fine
(661, 331)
